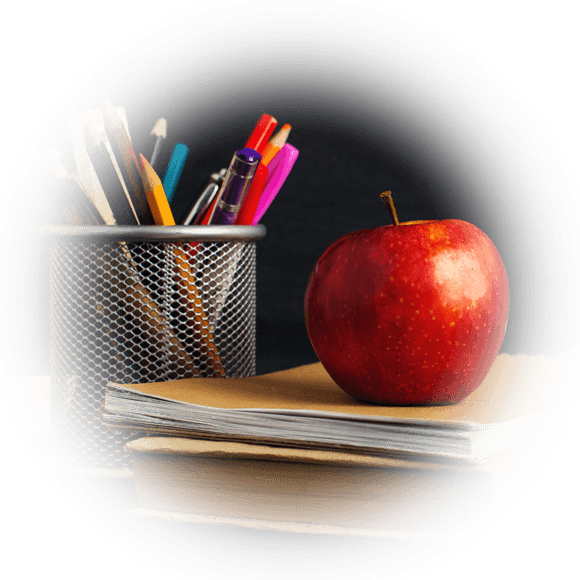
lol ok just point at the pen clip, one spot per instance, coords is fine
(202, 204)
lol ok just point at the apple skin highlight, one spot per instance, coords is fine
(412, 314)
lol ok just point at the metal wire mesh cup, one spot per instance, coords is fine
(134, 304)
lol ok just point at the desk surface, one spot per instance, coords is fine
(109, 505)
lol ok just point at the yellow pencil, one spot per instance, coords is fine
(192, 301)
(275, 144)
(156, 197)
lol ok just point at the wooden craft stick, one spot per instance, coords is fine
(99, 135)
(116, 123)
(85, 170)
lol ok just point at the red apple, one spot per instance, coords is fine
(409, 314)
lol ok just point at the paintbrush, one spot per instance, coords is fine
(160, 130)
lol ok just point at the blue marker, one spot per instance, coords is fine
(174, 169)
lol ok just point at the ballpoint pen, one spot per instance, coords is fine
(236, 184)
(202, 205)
(257, 141)
(182, 273)
(203, 201)
(278, 171)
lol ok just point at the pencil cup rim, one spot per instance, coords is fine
(159, 233)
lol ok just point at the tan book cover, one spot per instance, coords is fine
(515, 386)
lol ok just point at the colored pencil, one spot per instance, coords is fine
(261, 133)
(174, 169)
(156, 195)
(275, 144)
(183, 274)
(137, 294)
(250, 203)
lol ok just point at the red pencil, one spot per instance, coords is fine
(261, 133)
(203, 220)
(250, 203)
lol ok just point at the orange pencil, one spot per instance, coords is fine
(156, 197)
(275, 144)
(163, 217)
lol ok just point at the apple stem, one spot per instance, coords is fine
(388, 200)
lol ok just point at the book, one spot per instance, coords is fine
(309, 491)
(304, 408)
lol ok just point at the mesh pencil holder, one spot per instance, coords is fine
(136, 304)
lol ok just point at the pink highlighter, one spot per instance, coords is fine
(278, 170)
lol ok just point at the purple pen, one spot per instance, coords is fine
(236, 184)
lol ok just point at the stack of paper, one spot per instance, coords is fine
(304, 408)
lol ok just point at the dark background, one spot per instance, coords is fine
(363, 123)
